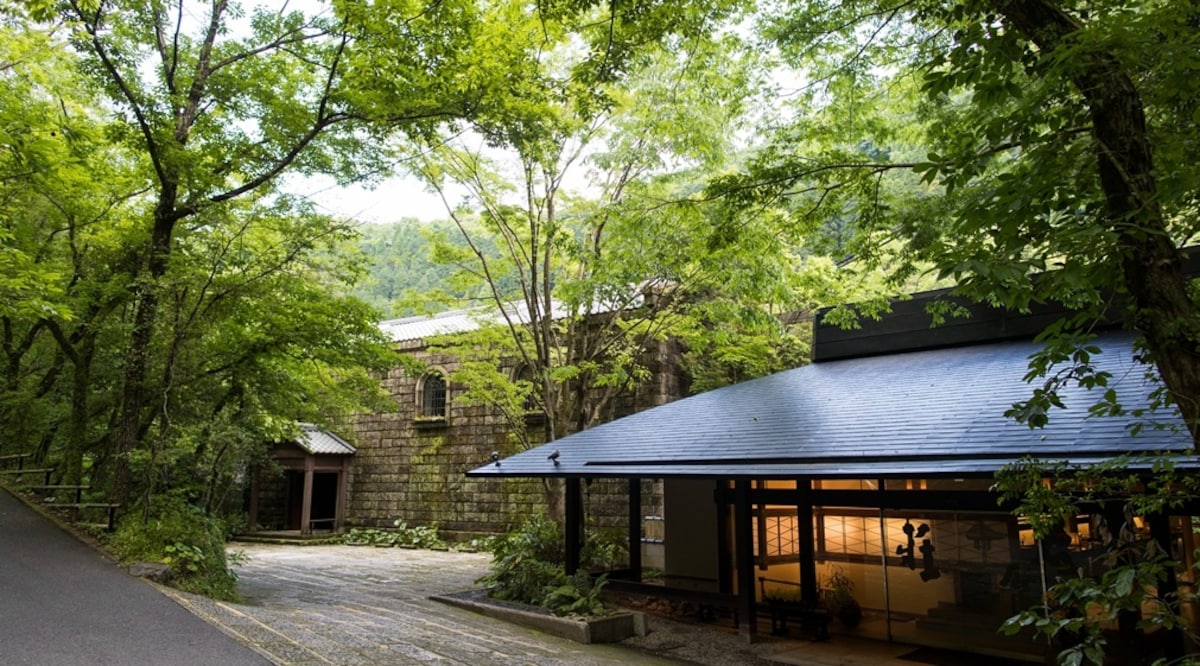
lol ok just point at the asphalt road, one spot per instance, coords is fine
(62, 604)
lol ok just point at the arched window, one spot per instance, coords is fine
(523, 377)
(432, 396)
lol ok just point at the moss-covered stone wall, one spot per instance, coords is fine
(413, 469)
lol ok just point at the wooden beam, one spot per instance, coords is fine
(806, 544)
(743, 525)
(306, 503)
(1168, 588)
(339, 514)
(635, 528)
(725, 542)
(573, 524)
(252, 519)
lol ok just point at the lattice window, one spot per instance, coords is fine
(776, 538)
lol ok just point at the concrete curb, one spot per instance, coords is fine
(607, 629)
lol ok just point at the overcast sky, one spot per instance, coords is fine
(390, 201)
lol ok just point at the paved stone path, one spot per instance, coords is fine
(351, 605)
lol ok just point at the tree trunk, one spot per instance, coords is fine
(137, 356)
(1151, 263)
(77, 433)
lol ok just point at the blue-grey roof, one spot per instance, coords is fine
(314, 440)
(937, 412)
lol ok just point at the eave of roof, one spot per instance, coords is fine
(926, 413)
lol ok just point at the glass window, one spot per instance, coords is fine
(433, 396)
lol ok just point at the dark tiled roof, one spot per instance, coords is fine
(938, 412)
(314, 440)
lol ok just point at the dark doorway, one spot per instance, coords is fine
(295, 498)
(325, 498)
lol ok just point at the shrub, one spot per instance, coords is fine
(527, 567)
(603, 549)
(579, 596)
(526, 562)
(184, 538)
(421, 536)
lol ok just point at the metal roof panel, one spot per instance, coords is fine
(926, 412)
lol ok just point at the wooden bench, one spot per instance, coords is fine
(17, 473)
(79, 507)
(50, 488)
(782, 608)
(312, 524)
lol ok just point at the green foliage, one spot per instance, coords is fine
(527, 567)
(183, 537)
(1130, 567)
(580, 596)
(604, 548)
(418, 536)
(962, 138)
(1076, 609)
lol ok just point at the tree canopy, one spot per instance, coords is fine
(1027, 150)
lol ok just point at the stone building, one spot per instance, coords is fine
(410, 462)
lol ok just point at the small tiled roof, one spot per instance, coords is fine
(936, 412)
(316, 441)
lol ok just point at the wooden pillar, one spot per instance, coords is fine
(806, 543)
(743, 539)
(339, 516)
(252, 510)
(1168, 588)
(573, 524)
(635, 529)
(1128, 643)
(725, 540)
(306, 505)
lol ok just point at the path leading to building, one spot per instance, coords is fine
(348, 605)
(63, 604)
(354, 605)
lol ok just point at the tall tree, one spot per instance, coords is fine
(216, 116)
(1045, 135)
(581, 224)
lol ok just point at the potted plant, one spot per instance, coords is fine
(839, 600)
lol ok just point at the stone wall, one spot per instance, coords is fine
(413, 470)
(272, 499)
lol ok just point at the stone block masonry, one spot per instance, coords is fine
(412, 469)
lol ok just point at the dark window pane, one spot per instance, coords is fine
(433, 396)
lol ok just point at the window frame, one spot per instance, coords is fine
(426, 412)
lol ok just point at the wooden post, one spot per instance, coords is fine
(573, 524)
(743, 521)
(1128, 643)
(807, 543)
(339, 515)
(724, 539)
(306, 505)
(635, 529)
(1160, 530)
(252, 519)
